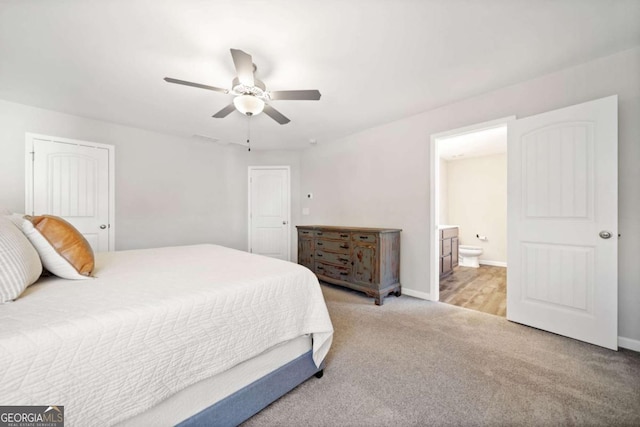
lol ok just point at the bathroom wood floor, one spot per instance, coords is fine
(481, 289)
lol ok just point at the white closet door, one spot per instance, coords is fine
(563, 222)
(269, 227)
(72, 181)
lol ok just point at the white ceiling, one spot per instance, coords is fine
(374, 61)
(474, 144)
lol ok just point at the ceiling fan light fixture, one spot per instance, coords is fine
(248, 104)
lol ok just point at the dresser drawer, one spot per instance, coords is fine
(333, 271)
(334, 235)
(333, 258)
(305, 232)
(332, 246)
(364, 237)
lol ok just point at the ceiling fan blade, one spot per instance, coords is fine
(225, 111)
(275, 115)
(244, 66)
(198, 85)
(300, 95)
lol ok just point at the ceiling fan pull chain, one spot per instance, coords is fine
(249, 131)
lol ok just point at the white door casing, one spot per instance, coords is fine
(562, 192)
(269, 211)
(74, 180)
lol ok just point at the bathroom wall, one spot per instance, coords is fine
(477, 201)
(444, 193)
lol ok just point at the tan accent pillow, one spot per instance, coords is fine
(64, 241)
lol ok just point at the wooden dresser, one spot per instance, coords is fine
(364, 259)
(448, 250)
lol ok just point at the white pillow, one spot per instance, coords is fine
(20, 264)
(17, 219)
(53, 261)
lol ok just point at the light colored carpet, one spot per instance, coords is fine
(417, 363)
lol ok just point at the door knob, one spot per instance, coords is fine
(284, 222)
(605, 234)
(103, 226)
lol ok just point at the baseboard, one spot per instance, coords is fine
(493, 263)
(416, 294)
(629, 344)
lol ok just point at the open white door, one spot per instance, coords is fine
(71, 179)
(269, 211)
(563, 222)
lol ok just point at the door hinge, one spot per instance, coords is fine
(33, 155)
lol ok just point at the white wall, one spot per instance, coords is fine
(380, 177)
(169, 190)
(443, 193)
(477, 195)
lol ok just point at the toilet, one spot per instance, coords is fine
(469, 256)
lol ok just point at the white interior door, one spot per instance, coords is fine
(71, 180)
(563, 222)
(269, 211)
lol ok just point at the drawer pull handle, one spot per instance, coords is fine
(364, 237)
(319, 233)
(344, 274)
(344, 235)
(320, 255)
(343, 259)
(344, 246)
(319, 243)
(320, 267)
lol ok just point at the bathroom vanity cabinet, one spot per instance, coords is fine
(448, 250)
(363, 259)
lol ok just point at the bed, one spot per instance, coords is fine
(192, 335)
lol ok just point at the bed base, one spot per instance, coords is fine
(248, 401)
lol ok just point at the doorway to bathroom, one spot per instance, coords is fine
(471, 199)
(562, 220)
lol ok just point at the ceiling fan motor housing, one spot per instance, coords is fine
(258, 89)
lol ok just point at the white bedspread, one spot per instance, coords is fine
(153, 322)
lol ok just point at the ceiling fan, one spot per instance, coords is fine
(251, 94)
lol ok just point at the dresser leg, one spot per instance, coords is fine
(398, 292)
(379, 300)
